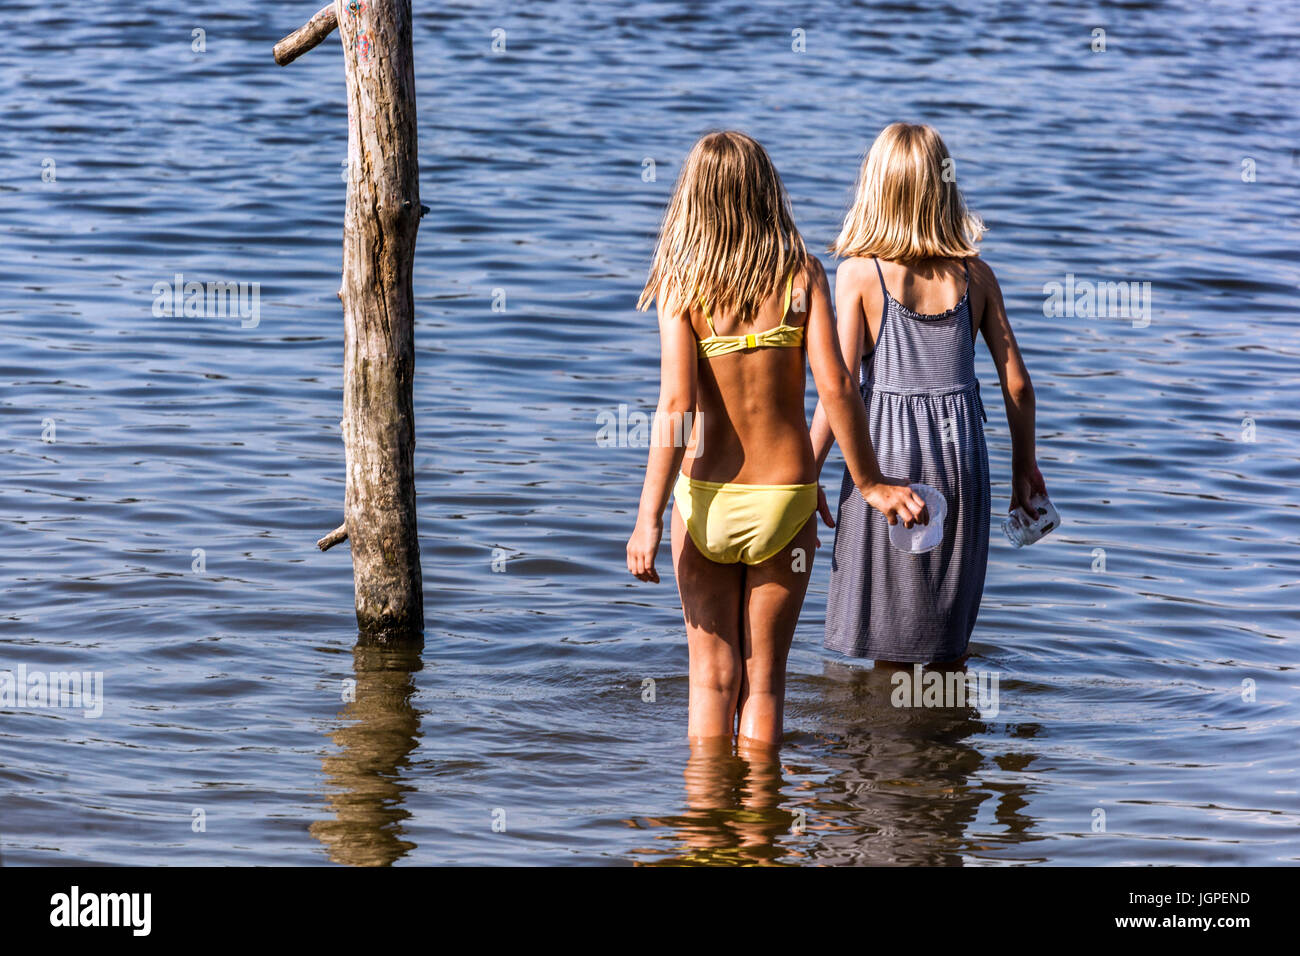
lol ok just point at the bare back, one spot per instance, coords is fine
(750, 425)
(929, 287)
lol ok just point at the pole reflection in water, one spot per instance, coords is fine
(375, 737)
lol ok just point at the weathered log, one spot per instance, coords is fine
(309, 35)
(380, 223)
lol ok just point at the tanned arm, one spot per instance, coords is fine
(678, 369)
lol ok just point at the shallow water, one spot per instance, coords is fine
(1121, 642)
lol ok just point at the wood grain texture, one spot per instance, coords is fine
(381, 221)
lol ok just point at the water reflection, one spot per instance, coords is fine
(733, 807)
(900, 790)
(366, 773)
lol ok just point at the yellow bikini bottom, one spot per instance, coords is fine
(750, 523)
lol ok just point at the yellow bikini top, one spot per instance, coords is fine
(779, 337)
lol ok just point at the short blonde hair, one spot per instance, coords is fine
(907, 205)
(728, 237)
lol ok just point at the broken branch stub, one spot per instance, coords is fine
(307, 36)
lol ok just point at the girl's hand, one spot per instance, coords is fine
(897, 503)
(1026, 481)
(823, 509)
(642, 548)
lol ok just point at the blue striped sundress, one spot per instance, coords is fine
(925, 413)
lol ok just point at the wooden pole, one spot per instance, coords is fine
(380, 223)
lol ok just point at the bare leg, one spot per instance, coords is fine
(711, 595)
(774, 593)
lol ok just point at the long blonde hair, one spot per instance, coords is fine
(907, 205)
(728, 237)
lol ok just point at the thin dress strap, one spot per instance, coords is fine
(970, 310)
(884, 293)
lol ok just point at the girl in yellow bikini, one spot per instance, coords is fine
(740, 303)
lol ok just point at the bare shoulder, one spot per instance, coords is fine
(812, 278)
(854, 272)
(981, 274)
(670, 304)
(814, 271)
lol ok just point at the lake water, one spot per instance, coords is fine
(167, 477)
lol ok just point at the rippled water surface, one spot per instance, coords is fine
(1146, 651)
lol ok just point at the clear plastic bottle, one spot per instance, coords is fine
(921, 538)
(1022, 529)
